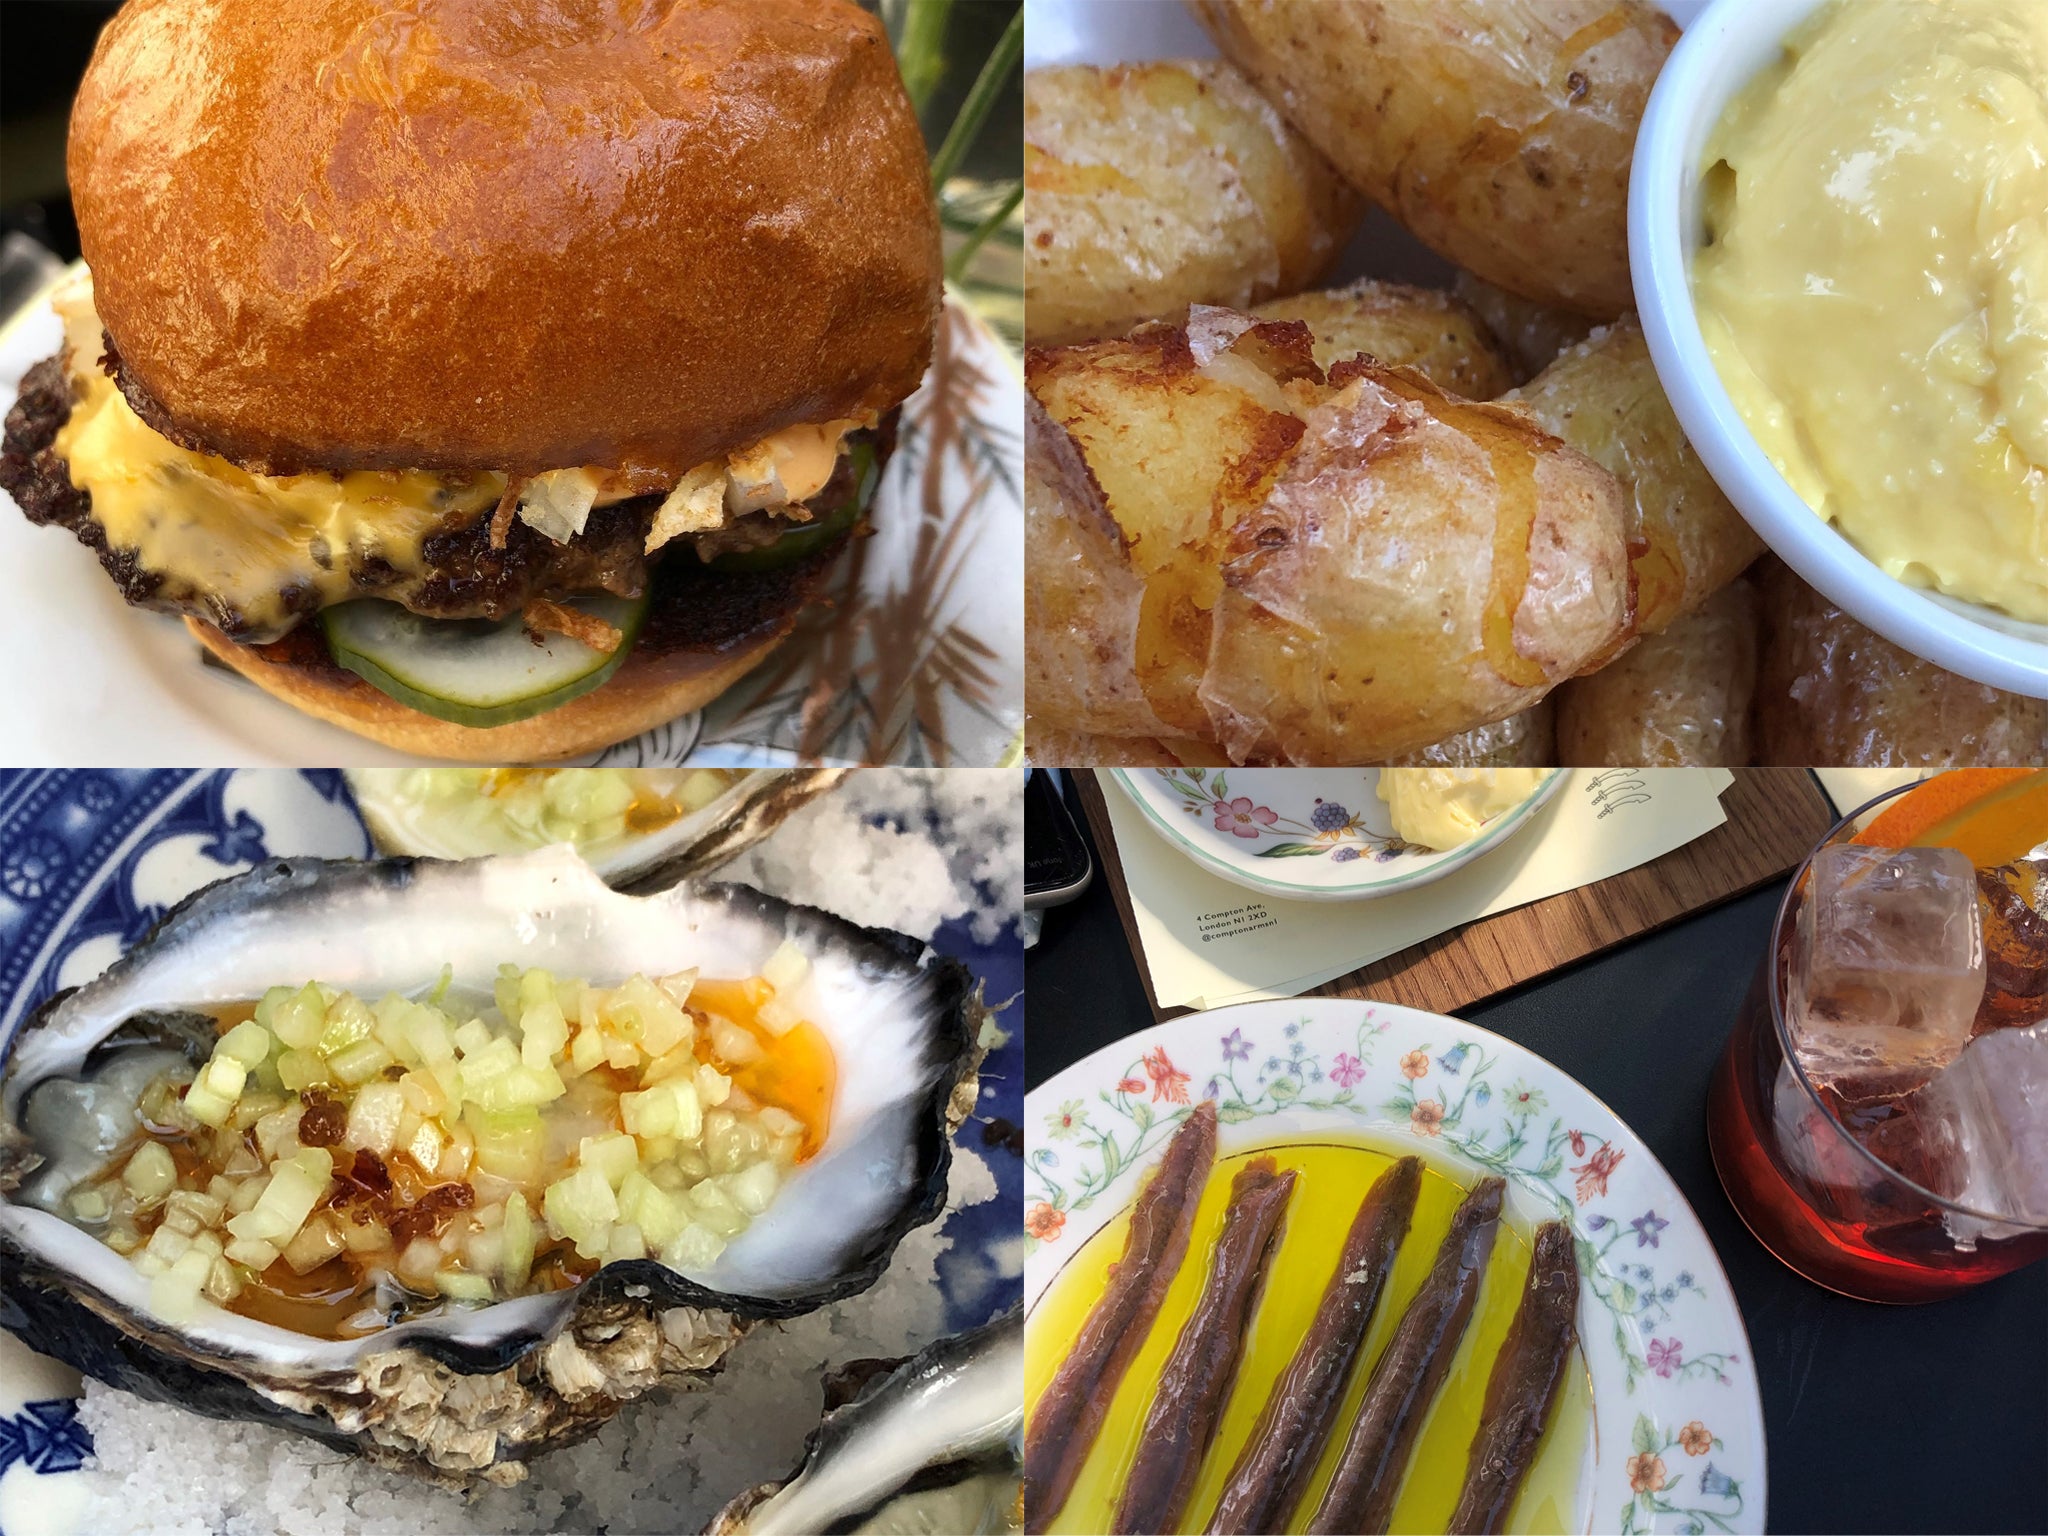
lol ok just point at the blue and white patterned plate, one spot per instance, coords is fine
(90, 859)
(1677, 1438)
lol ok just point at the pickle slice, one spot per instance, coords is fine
(473, 671)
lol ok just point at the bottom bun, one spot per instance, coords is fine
(707, 630)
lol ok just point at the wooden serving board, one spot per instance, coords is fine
(1775, 816)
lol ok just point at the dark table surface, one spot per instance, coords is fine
(1929, 1418)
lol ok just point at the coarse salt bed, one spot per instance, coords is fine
(902, 848)
(667, 1463)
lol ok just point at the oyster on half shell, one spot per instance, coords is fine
(462, 1394)
(433, 813)
(933, 1445)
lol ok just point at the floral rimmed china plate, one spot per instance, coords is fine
(914, 654)
(1678, 1436)
(1306, 834)
(90, 861)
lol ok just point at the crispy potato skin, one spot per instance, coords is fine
(1438, 336)
(1082, 595)
(1179, 455)
(1151, 187)
(1678, 700)
(1044, 748)
(1529, 335)
(1686, 541)
(1334, 569)
(1498, 131)
(1526, 740)
(1831, 693)
(1422, 565)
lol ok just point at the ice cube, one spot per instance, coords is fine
(2014, 901)
(1840, 1184)
(1888, 969)
(1993, 1103)
(1915, 1137)
(1976, 1134)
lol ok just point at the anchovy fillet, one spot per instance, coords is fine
(1523, 1386)
(1069, 1416)
(1274, 1469)
(1360, 1498)
(1199, 1373)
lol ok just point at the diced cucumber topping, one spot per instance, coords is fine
(823, 527)
(472, 671)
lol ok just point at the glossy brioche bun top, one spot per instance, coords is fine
(503, 234)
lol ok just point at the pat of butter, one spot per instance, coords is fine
(1445, 807)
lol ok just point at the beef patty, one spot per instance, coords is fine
(461, 576)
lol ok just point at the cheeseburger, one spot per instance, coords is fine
(494, 378)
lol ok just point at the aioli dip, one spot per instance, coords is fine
(1874, 290)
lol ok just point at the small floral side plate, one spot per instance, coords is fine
(1677, 1443)
(1308, 834)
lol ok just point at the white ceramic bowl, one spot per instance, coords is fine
(1723, 47)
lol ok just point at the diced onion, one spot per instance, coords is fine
(752, 1188)
(786, 968)
(695, 1247)
(457, 1286)
(151, 1173)
(440, 1089)
(557, 504)
(614, 1156)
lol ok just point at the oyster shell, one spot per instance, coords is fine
(935, 1444)
(467, 1394)
(693, 844)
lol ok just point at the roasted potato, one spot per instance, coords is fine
(1678, 700)
(1498, 131)
(1686, 541)
(1083, 595)
(1831, 693)
(1044, 748)
(1150, 187)
(1528, 335)
(1527, 740)
(1334, 568)
(1420, 328)
(1138, 461)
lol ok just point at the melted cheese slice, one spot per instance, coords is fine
(205, 526)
